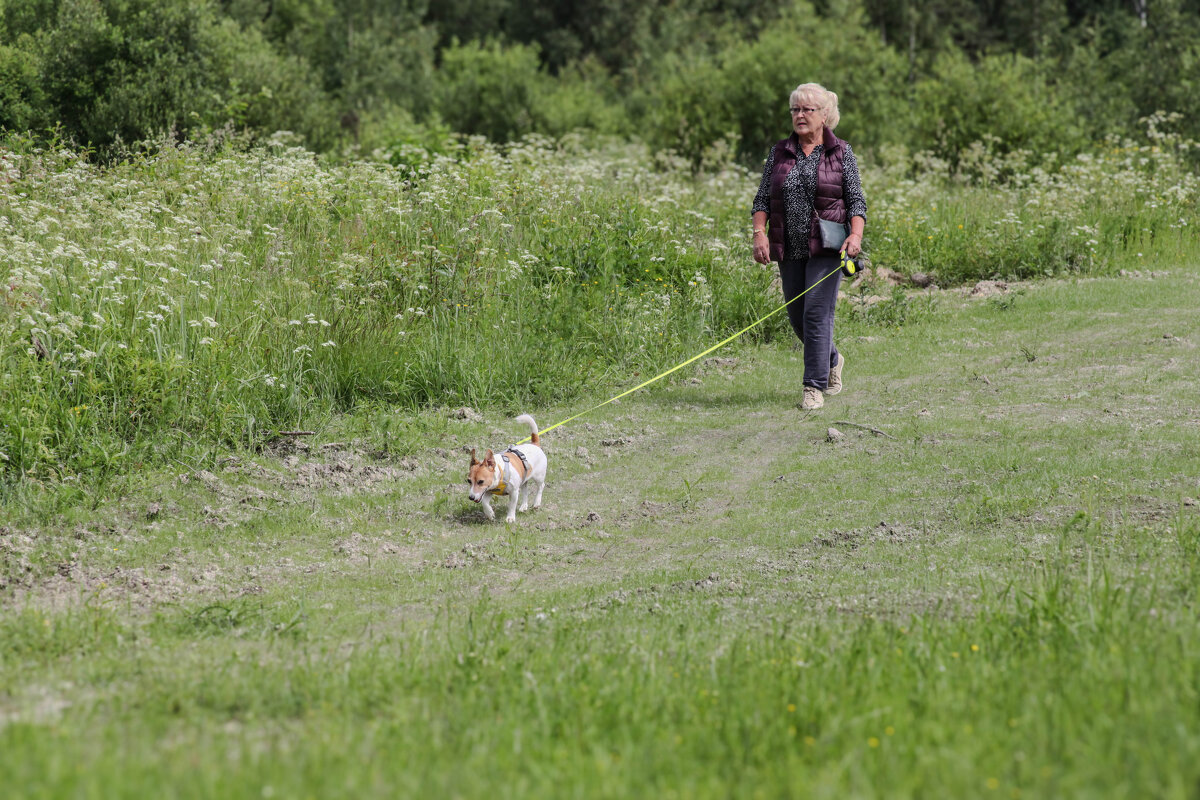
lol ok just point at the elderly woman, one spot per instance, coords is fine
(810, 174)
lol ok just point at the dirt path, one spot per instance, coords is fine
(1003, 420)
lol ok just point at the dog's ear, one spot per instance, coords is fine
(474, 460)
(489, 460)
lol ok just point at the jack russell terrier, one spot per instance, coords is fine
(516, 473)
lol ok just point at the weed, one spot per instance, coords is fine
(899, 309)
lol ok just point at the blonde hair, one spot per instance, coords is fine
(821, 98)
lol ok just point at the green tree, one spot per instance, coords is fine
(691, 102)
(1004, 98)
(492, 90)
(22, 102)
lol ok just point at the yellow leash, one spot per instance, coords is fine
(846, 265)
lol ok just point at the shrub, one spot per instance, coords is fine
(1004, 99)
(695, 100)
(491, 90)
(22, 102)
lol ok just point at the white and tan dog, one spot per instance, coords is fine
(517, 473)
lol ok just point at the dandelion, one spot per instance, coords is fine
(873, 742)
(993, 784)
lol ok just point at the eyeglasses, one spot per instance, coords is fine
(806, 110)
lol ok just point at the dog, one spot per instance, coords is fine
(517, 473)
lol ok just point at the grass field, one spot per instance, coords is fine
(996, 598)
(187, 302)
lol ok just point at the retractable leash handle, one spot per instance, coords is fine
(847, 264)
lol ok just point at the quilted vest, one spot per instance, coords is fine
(827, 202)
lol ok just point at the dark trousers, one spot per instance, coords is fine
(812, 315)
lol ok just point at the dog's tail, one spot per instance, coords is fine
(528, 420)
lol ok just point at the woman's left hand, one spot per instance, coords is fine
(853, 245)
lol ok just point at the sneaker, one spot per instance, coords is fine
(835, 376)
(813, 399)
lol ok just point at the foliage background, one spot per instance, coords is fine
(355, 75)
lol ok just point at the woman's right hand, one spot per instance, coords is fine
(762, 248)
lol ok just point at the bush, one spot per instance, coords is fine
(124, 71)
(584, 96)
(490, 90)
(694, 101)
(1004, 99)
(22, 102)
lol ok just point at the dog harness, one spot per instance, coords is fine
(502, 488)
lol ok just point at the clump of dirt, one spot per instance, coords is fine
(471, 553)
(333, 468)
(359, 549)
(620, 597)
(987, 289)
(850, 540)
(893, 532)
(836, 538)
(719, 362)
(140, 587)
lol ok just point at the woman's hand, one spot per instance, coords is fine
(762, 248)
(853, 245)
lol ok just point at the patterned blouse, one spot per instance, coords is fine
(799, 188)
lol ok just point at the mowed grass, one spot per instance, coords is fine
(998, 598)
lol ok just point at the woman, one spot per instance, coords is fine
(809, 173)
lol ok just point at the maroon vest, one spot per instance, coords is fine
(827, 202)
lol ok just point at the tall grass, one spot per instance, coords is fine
(1025, 214)
(187, 298)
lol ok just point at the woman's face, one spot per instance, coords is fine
(807, 118)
